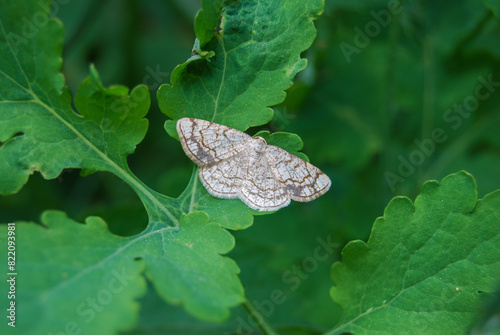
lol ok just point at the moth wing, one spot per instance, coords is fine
(207, 143)
(302, 180)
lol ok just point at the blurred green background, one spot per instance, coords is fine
(380, 83)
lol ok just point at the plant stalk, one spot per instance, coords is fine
(259, 319)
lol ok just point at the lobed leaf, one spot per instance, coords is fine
(426, 266)
(186, 267)
(257, 54)
(38, 128)
(74, 277)
(83, 277)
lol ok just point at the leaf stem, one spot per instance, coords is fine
(222, 79)
(114, 168)
(259, 319)
(140, 188)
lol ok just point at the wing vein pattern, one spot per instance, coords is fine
(235, 165)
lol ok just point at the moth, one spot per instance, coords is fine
(234, 165)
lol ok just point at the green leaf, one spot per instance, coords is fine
(39, 129)
(207, 283)
(58, 289)
(426, 265)
(257, 54)
(81, 273)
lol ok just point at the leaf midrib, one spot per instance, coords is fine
(114, 167)
(217, 98)
(62, 284)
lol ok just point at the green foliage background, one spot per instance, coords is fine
(358, 115)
